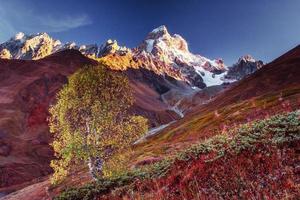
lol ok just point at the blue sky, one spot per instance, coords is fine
(216, 28)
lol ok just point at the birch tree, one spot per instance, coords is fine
(90, 121)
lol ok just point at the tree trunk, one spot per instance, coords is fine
(95, 167)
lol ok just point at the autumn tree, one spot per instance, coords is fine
(90, 121)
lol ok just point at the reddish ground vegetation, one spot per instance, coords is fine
(37, 115)
(260, 161)
(264, 173)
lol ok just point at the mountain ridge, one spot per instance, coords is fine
(159, 48)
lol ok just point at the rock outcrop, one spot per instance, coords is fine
(5, 54)
(245, 66)
(31, 47)
(40, 45)
(112, 47)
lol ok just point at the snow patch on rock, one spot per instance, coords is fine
(158, 29)
(210, 78)
(19, 36)
(149, 45)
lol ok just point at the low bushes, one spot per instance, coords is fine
(261, 137)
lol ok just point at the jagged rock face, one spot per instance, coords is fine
(246, 65)
(160, 37)
(40, 45)
(173, 51)
(112, 47)
(89, 50)
(31, 47)
(5, 54)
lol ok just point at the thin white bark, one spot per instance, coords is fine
(95, 167)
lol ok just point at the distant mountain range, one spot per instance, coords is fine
(160, 52)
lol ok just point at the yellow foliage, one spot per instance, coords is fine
(90, 120)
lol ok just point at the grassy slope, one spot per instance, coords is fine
(256, 160)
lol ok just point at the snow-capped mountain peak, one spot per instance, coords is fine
(161, 28)
(160, 51)
(246, 58)
(39, 45)
(111, 47)
(173, 51)
(246, 65)
(174, 48)
(33, 46)
(19, 36)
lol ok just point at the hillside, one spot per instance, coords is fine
(273, 89)
(27, 89)
(270, 90)
(263, 94)
(207, 154)
(255, 161)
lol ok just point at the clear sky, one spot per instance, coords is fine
(214, 28)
